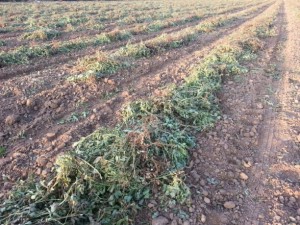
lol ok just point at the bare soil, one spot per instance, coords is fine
(245, 170)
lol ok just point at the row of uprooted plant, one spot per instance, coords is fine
(102, 64)
(23, 54)
(110, 174)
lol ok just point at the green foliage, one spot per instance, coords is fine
(23, 54)
(176, 189)
(41, 34)
(134, 50)
(112, 36)
(266, 30)
(2, 43)
(2, 151)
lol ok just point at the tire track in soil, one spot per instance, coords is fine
(244, 140)
(279, 144)
(26, 159)
(42, 63)
(260, 186)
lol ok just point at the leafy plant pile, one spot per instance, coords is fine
(109, 174)
(41, 34)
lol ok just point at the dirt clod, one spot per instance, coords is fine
(160, 221)
(30, 103)
(243, 176)
(41, 161)
(50, 136)
(229, 205)
(203, 218)
(206, 200)
(11, 120)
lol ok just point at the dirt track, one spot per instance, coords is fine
(252, 156)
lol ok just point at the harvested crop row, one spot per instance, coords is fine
(83, 19)
(156, 147)
(100, 65)
(23, 54)
(45, 34)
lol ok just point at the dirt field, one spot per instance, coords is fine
(199, 103)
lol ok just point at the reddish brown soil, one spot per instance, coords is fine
(251, 157)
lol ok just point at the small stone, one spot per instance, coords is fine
(202, 182)
(93, 117)
(7, 185)
(49, 165)
(50, 136)
(229, 205)
(125, 94)
(186, 222)
(281, 199)
(16, 155)
(38, 171)
(205, 193)
(277, 218)
(29, 103)
(298, 211)
(150, 205)
(160, 221)
(174, 222)
(292, 219)
(109, 81)
(259, 105)
(191, 210)
(195, 175)
(243, 176)
(206, 200)
(41, 161)
(11, 119)
(157, 78)
(247, 163)
(44, 173)
(203, 218)
(171, 216)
